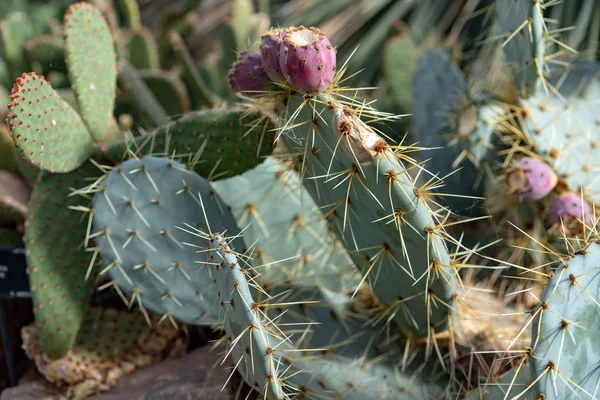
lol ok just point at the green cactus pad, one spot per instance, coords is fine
(92, 64)
(355, 380)
(564, 362)
(290, 234)
(400, 60)
(14, 197)
(375, 208)
(251, 336)
(564, 127)
(521, 24)
(140, 210)
(132, 13)
(45, 129)
(61, 273)
(266, 356)
(216, 143)
(142, 50)
(169, 90)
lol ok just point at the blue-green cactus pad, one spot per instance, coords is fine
(139, 208)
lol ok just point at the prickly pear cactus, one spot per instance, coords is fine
(291, 239)
(92, 63)
(521, 24)
(265, 357)
(61, 274)
(216, 143)
(253, 346)
(141, 209)
(440, 106)
(48, 132)
(563, 357)
(563, 126)
(355, 176)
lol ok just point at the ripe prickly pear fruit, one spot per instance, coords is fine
(531, 179)
(307, 59)
(269, 51)
(247, 73)
(568, 211)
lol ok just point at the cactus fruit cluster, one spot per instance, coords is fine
(296, 223)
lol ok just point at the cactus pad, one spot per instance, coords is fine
(142, 50)
(375, 208)
(440, 93)
(216, 143)
(521, 24)
(45, 129)
(92, 64)
(169, 90)
(61, 273)
(251, 336)
(564, 362)
(290, 234)
(140, 208)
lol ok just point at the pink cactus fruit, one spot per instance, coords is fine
(531, 179)
(568, 210)
(307, 59)
(247, 73)
(269, 51)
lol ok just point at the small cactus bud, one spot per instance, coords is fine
(531, 179)
(247, 74)
(269, 52)
(569, 210)
(307, 59)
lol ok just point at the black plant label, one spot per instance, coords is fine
(14, 283)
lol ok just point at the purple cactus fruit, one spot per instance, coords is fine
(247, 74)
(568, 210)
(269, 51)
(531, 179)
(307, 59)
